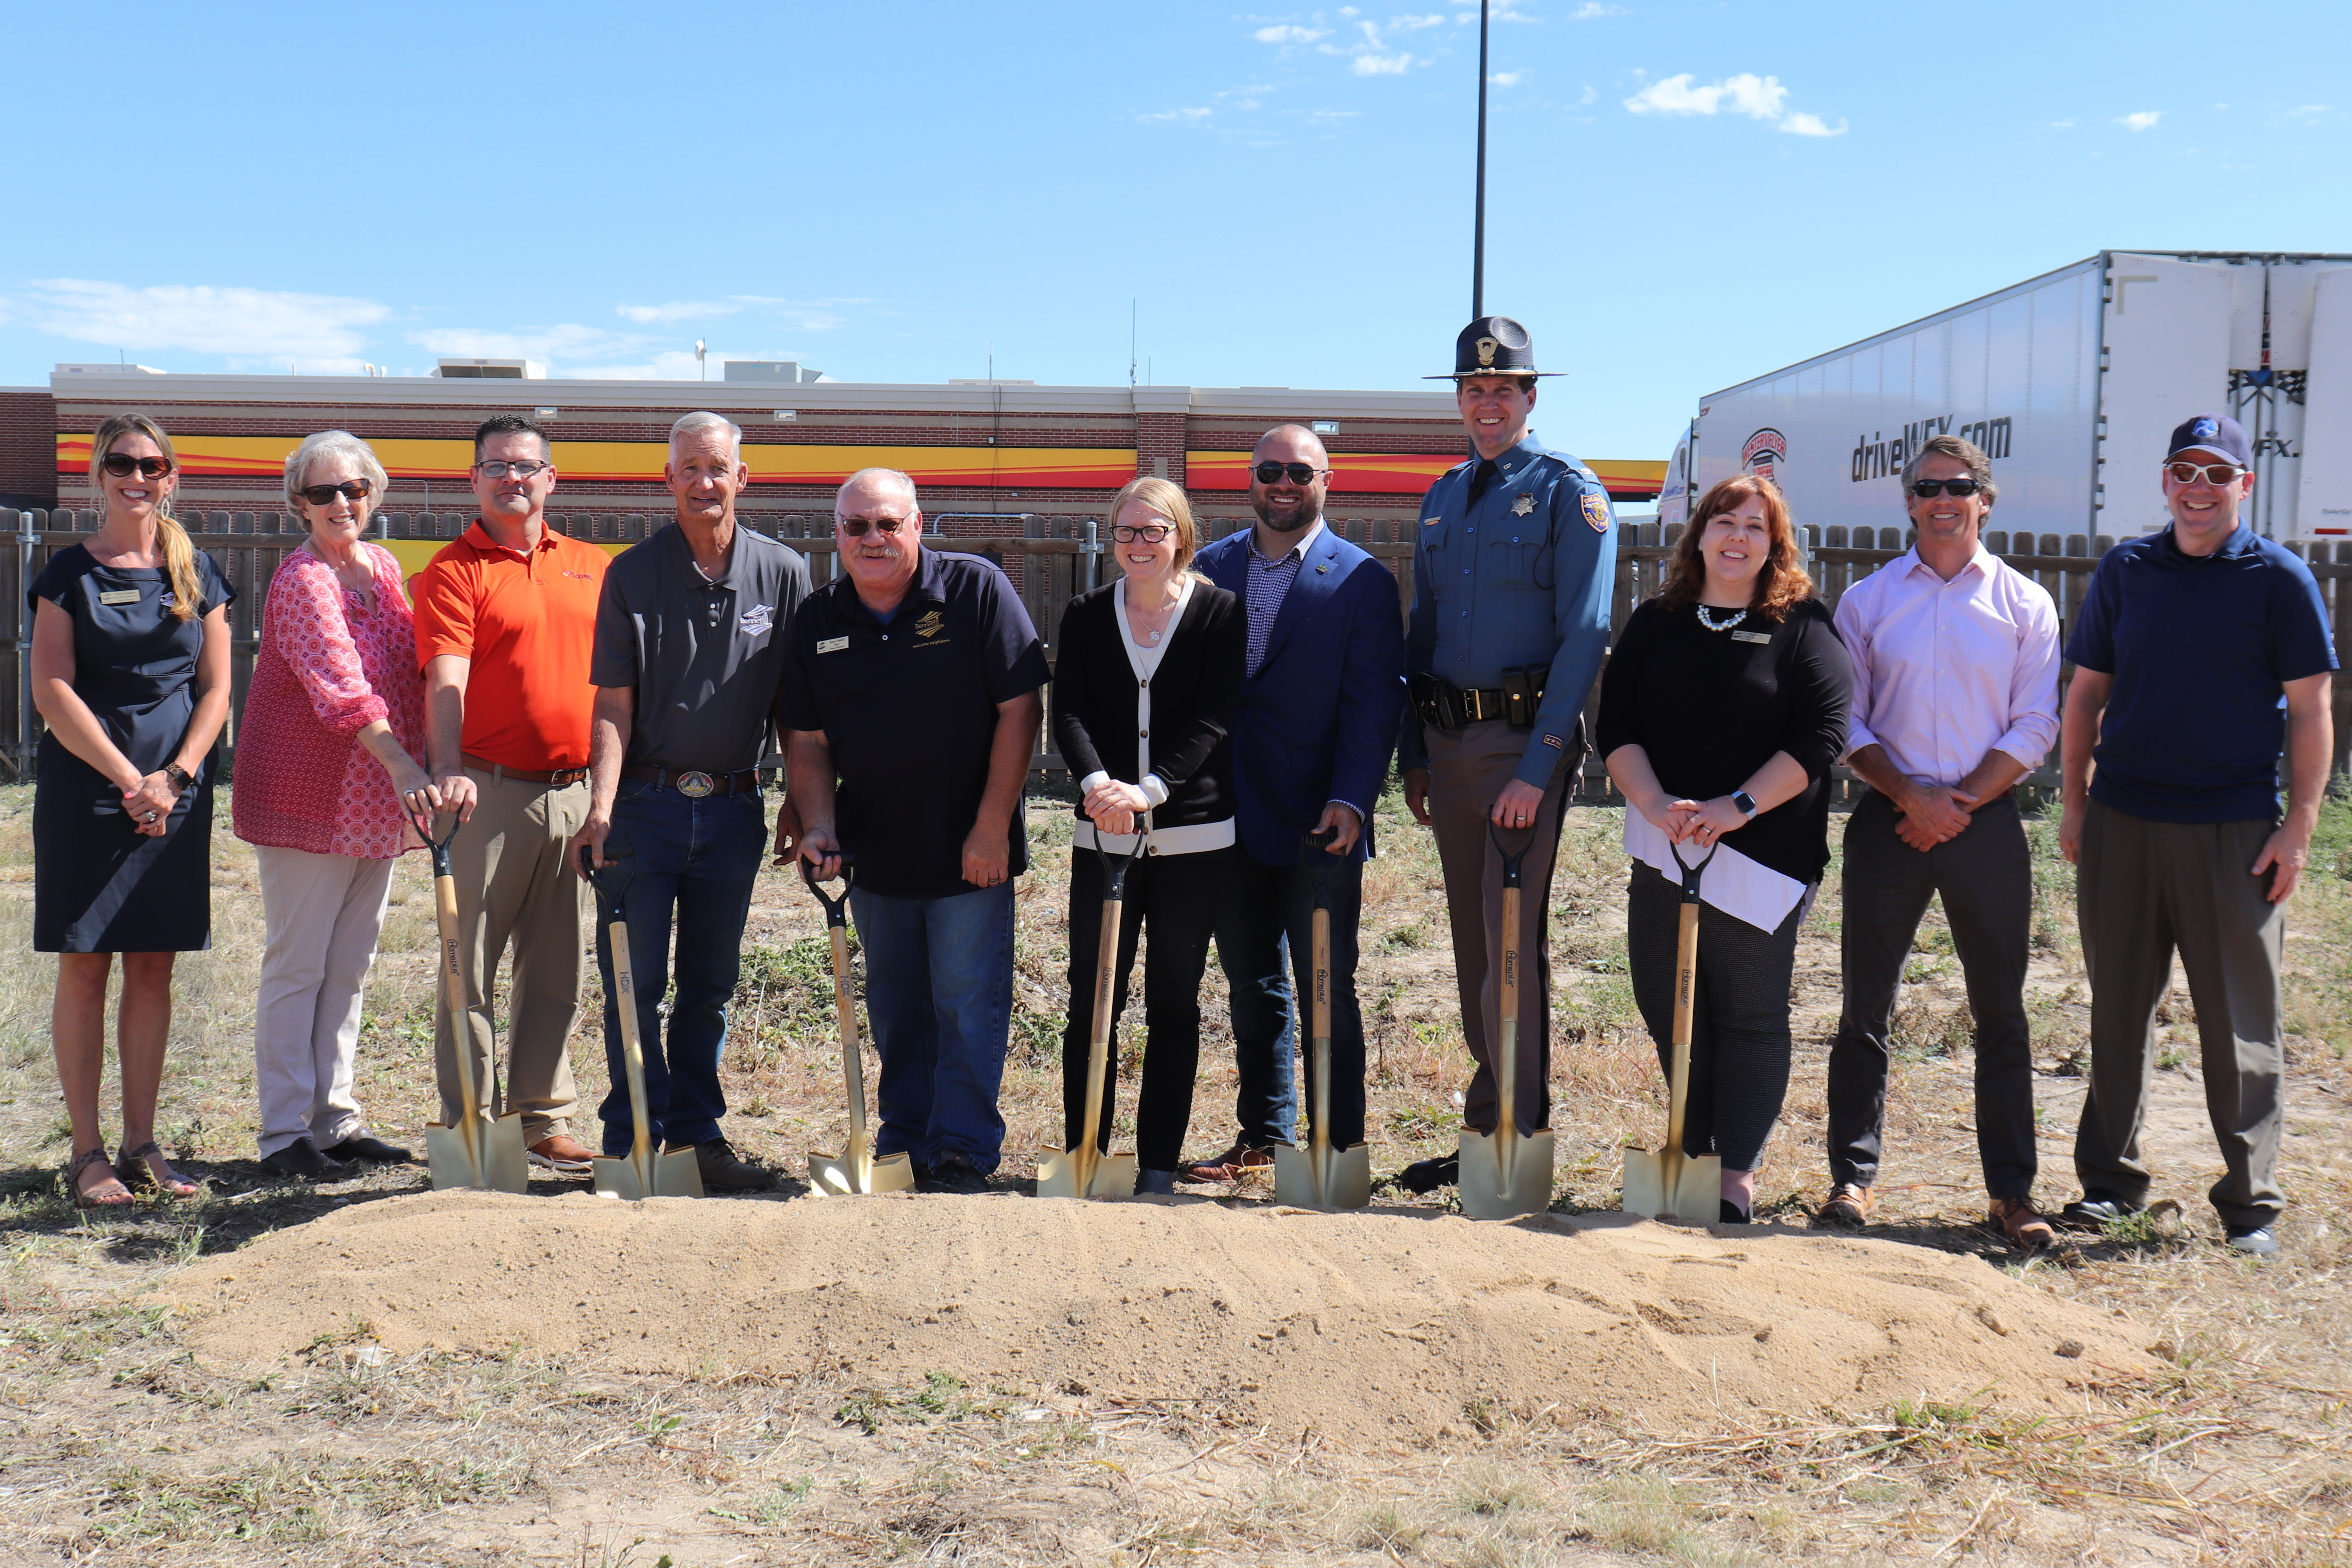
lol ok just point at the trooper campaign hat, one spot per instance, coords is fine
(1492, 345)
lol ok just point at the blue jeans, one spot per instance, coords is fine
(939, 993)
(693, 860)
(1264, 941)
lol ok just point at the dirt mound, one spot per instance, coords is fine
(1370, 1327)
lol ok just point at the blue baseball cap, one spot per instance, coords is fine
(2212, 433)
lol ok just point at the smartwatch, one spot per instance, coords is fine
(1745, 802)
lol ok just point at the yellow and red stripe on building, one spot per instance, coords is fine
(1015, 467)
(1404, 473)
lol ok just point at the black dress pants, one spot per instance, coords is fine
(1986, 879)
(1176, 896)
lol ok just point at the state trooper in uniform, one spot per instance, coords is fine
(1512, 571)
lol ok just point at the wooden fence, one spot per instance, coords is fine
(1050, 560)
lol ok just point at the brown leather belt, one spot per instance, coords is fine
(692, 782)
(559, 779)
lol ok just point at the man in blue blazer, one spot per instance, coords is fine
(1324, 689)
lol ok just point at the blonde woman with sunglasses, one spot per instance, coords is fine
(130, 673)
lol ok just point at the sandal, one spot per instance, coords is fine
(145, 1169)
(97, 1197)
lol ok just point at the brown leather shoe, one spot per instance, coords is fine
(563, 1154)
(1848, 1206)
(1229, 1166)
(2018, 1220)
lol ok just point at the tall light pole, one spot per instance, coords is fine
(1478, 225)
(703, 369)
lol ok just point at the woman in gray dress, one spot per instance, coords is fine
(130, 672)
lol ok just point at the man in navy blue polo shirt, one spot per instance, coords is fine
(909, 696)
(2201, 653)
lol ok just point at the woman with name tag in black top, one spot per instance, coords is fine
(130, 672)
(1722, 709)
(1145, 687)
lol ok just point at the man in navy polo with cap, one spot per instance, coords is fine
(2201, 653)
(910, 696)
(1512, 571)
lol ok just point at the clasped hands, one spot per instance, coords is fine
(149, 805)
(1930, 814)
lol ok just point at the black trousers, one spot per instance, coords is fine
(1176, 896)
(1986, 879)
(1740, 1018)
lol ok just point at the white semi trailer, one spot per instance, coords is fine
(2071, 382)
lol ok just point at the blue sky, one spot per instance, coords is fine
(1682, 195)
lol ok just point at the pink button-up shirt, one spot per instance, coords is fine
(1944, 672)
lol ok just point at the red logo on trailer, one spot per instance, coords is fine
(1763, 453)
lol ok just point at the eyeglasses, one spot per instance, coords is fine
(524, 469)
(856, 527)
(350, 490)
(1149, 533)
(123, 465)
(1300, 473)
(2214, 474)
(1924, 489)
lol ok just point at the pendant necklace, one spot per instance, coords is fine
(1709, 622)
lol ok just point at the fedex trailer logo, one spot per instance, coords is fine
(1763, 453)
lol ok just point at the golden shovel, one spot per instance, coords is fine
(1668, 1183)
(482, 1151)
(1087, 1171)
(856, 1169)
(1320, 1176)
(641, 1173)
(1506, 1173)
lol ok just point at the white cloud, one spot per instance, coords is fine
(1592, 10)
(1414, 23)
(814, 316)
(1507, 78)
(675, 310)
(1384, 65)
(2144, 121)
(262, 324)
(1290, 34)
(1179, 116)
(554, 344)
(1588, 97)
(2309, 111)
(1802, 124)
(1755, 96)
(2062, 125)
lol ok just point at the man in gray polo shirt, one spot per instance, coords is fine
(690, 643)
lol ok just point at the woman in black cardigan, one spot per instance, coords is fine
(1722, 709)
(1146, 680)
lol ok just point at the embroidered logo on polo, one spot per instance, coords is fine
(757, 620)
(1596, 511)
(929, 623)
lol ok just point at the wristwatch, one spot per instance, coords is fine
(1745, 802)
(180, 777)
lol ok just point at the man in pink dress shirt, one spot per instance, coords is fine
(1955, 699)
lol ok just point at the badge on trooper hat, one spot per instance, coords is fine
(1492, 345)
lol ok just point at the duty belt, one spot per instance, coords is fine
(692, 782)
(1446, 706)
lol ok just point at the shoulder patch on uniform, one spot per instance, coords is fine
(1596, 511)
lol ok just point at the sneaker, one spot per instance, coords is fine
(563, 1154)
(1849, 1207)
(1230, 1166)
(361, 1147)
(2254, 1240)
(954, 1174)
(724, 1171)
(2018, 1220)
(303, 1161)
(1428, 1175)
(2097, 1209)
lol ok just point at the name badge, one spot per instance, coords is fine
(1752, 636)
(831, 645)
(118, 597)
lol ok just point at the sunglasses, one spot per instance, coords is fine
(2214, 474)
(1300, 473)
(1148, 533)
(856, 527)
(1924, 489)
(123, 465)
(350, 490)
(523, 471)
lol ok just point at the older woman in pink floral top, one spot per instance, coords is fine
(327, 785)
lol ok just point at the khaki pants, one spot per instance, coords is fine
(322, 914)
(1466, 770)
(2144, 890)
(516, 887)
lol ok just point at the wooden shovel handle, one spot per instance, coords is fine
(1686, 1002)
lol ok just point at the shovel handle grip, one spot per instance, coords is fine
(836, 906)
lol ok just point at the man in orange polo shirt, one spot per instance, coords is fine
(506, 622)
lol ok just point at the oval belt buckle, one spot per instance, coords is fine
(694, 786)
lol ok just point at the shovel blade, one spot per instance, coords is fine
(842, 1179)
(1345, 1182)
(1058, 1175)
(671, 1175)
(1691, 1190)
(489, 1156)
(1490, 1190)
